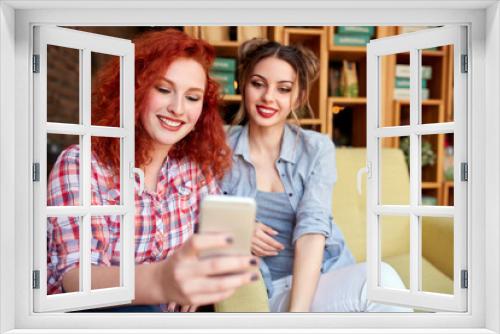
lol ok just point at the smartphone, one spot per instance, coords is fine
(229, 214)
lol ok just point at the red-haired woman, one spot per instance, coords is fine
(180, 146)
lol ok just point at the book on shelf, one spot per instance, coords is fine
(429, 200)
(405, 83)
(404, 94)
(224, 72)
(223, 77)
(224, 65)
(403, 71)
(407, 29)
(334, 80)
(348, 86)
(351, 39)
(364, 30)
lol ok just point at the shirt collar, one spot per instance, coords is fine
(288, 145)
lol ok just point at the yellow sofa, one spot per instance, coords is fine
(349, 212)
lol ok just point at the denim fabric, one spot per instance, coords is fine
(275, 211)
(306, 167)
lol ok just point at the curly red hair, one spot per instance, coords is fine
(154, 52)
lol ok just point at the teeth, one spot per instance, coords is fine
(266, 111)
(170, 122)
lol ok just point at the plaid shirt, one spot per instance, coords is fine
(164, 220)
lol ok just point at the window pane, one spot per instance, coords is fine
(394, 172)
(394, 88)
(437, 84)
(106, 170)
(106, 247)
(106, 109)
(437, 254)
(395, 250)
(63, 252)
(63, 85)
(63, 170)
(437, 169)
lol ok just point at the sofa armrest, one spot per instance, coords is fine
(249, 298)
(437, 243)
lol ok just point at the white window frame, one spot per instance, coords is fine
(84, 43)
(16, 20)
(413, 44)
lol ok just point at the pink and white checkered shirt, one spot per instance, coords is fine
(164, 220)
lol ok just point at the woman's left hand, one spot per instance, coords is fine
(174, 307)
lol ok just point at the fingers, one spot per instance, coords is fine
(225, 265)
(263, 245)
(174, 307)
(202, 242)
(263, 233)
(186, 308)
(257, 251)
(215, 285)
(267, 229)
(171, 307)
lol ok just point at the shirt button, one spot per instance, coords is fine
(290, 194)
(279, 161)
(224, 192)
(283, 174)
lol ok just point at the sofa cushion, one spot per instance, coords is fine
(433, 280)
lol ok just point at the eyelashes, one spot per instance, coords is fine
(260, 84)
(165, 91)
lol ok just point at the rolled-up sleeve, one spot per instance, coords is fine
(314, 211)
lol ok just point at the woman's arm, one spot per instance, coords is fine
(183, 277)
(313, 225)
(147, 287)
(307, 262)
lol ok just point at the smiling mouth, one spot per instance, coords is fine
(266, 112)
(170, 123)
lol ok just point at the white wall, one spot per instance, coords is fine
(492, 128)
(7, 176)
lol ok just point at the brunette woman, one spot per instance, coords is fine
(291, 172)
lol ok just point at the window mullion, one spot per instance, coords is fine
(415, 242)
(85, 165)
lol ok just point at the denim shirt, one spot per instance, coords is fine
(306, 167)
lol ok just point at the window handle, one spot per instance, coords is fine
(361, 171)
(140, 173)
(359, 175)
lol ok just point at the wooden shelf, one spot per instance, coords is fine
(433, 53)
(344, 48)
(430, 185)
(304, 31)
(231, 98)
(347, 100)
(428, 102)
(310, 121)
